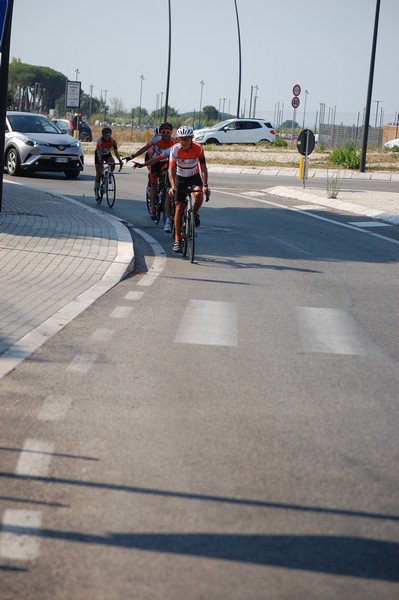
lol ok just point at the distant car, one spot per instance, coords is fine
(236, 131)
(34, 143)
(64, 124)
(85, 133)
(391, 144)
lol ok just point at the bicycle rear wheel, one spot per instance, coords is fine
(110, 190)
(147, 198)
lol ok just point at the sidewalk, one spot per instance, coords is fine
(56, 258)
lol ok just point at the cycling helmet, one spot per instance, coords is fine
(106, 129)
(165, 125)
(185, 131)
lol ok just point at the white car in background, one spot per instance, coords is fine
(236, 131)
(391, 144)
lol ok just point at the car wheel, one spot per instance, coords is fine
(13, 162)
(212, 141)
(71, 174)
(265, 141)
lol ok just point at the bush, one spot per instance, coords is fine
(346, 156)
(280, 142)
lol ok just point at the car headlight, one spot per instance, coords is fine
(199, 137)
(76, 144)
(30, 142)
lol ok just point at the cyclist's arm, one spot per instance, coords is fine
(204, 172)
(172, 176)
(118, 156)
(140, 151)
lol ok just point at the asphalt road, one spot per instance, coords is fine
(226, 429)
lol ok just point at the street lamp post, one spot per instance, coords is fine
(362, 167)
(169, 56)
(304, 109)
(141, 92)
(239, 61)
(91, 99)
(105, 103)
(200, 106)
(255, 99)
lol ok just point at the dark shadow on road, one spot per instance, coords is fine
(334, 555)
(199, 497)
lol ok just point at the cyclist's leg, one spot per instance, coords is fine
(99, 170)
(198, 196)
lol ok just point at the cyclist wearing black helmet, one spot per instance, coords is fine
(105, 144)
(157, 145)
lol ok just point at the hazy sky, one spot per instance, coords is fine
(323, 45)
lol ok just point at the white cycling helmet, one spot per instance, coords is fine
(185, 131)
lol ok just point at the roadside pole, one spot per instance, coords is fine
(5, 30)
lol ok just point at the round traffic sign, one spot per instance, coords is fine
(295, 102)
(296, 90)
(306, 142)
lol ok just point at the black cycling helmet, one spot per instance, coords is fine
(106, 129)
(165, 125)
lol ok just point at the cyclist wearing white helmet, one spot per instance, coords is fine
(187, 168)
(105, 144)
(157, 145)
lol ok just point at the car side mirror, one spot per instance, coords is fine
(63, 130)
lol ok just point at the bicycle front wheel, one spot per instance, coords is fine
(191, 237)
(110, 190)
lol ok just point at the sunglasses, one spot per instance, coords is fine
(168, 131)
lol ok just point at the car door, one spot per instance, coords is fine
(230, 133)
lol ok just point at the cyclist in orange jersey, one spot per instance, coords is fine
(104, 145)
(187, 168)
(157, 145)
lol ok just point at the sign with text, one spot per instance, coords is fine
(72, 94)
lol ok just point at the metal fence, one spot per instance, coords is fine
(334, 136)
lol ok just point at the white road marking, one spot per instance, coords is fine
(14, 544)
(54, 408)
(369, 224)
(134, 295)
(310, 207)
(159, 261)
(101, 334)
(82, 363)
(35, 458)
(208, 322)
(121, 312)
(328, 330)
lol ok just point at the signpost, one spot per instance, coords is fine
(6, 8)
(72, 94)
(305, 145)
(295, 102)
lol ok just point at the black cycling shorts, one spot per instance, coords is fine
(182, 183)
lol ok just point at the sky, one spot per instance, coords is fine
(322, 45)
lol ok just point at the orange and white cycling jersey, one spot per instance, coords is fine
(158, 146)
(186, 162)
(104, 146)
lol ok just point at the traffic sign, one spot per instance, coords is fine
(3, 15)
(295, 102)
(306, 142)
(296, 90)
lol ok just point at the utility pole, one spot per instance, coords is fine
(141, 92)
(200, 106)
(362, 167)
(239, 61)
(105, 103)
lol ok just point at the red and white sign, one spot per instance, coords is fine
(295, 102)
(296, 90)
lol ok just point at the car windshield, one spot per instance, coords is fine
(32, 124)
(221, 124)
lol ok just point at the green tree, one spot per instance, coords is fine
(210, 114)
(34, 88)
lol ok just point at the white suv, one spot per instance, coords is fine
(236, 131)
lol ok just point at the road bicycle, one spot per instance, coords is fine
(188, 232)
(107, 185)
